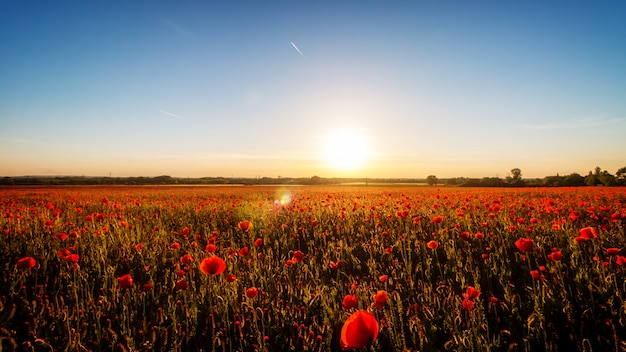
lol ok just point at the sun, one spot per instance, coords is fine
(345, 150)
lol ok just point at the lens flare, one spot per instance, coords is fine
(282, 197)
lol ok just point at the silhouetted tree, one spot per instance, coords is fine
(515, 178)
(431, 180)
(574, 180)
(620, 176)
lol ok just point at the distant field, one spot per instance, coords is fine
(268, 268)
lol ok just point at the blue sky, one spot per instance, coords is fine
(215, 88)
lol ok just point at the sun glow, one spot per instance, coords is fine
(345, 150)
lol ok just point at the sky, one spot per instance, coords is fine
(379, 89)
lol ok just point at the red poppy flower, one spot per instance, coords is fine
(334, 265)
(536, 275)
(472, 292)
(612, 251)
(212, 265)
(383, 278)
(125, 281)
(26, 263)
(211, 248)
(258, 242)
(181, 284)
(349, 301)
(437, 220)
(147, 287)
(525, 244)
(244, 252)
(231, 278)
(588, 233)
(555, 256)
(380, 299)
(433, 244)
(298, 256)
(245, 225)
(252, 292)
(468, 304)
(621, 260)
(186, 259)
(71, 258)
(359, 330)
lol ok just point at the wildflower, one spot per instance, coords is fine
(71, 258)
(186, 259)
(536, 275)
(555, 256)
(467, 304)
(525, 244)
(612, 251)
(231, 278)
(334, 265)
(147, 287)
(349, 301)
(437, 220)
(383, 278)
(26, 263)
(621, 260)
(297, 256)
(211, 248)
(244, 252)
(258, 242)
(181, 284)
(212, 265)
(245, 225)
(433, 244)
(359, 330)
(380, 299)
(588, 233)
(472, 292)
(125, 281)
(252, 292)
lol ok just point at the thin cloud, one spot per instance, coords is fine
(298, 50)
(177, 29)
(576, 124)
(17, 140)
(170, 114)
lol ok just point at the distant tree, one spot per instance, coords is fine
(491, 182)
(607, 179)
(315, 180)
(574, 179)
(515, 178)
(431, 180)
(620, 176)
(554, 181)
(591, 179)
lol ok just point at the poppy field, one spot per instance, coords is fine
(312, 269)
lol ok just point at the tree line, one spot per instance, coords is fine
(597, 177)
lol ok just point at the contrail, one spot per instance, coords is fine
(173, 115)
(298, 50)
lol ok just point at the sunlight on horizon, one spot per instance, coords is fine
(346, 150)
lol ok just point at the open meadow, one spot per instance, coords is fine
(312, 269)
